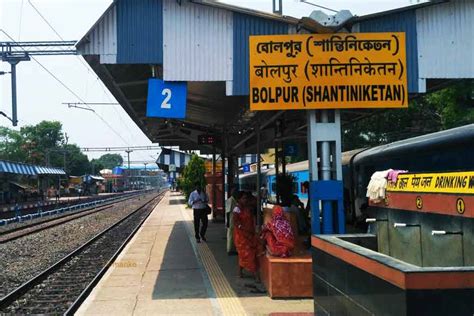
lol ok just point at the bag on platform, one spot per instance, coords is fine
(208, 209)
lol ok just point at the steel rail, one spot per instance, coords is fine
(62, 219)
(30, 284)
(85, 293)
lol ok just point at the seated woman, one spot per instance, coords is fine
(278, 234)
(245, 237)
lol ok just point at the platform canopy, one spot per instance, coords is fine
(174, 158)
(17, 168)
(49, 171)
(27, 169)
(205, 44)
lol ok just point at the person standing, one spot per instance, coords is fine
(245, 236)
(198, 201)
(230, 204)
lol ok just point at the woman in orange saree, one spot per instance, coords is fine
(245, 237)
(278, 234)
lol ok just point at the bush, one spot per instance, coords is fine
(193, 173)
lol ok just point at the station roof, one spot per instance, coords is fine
(27, 169)
(205, 44)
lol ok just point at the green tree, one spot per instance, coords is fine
(77, 163)
(443, 109)
(193, 173)
(109, 161)
(11, 145)
(43, 144)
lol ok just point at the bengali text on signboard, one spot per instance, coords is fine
(449, 182)
(328, 71)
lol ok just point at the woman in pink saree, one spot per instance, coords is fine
(278, 234)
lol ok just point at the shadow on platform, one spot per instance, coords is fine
(180, 275)
(180, 272)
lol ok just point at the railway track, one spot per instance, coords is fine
(51, 207)
(61, 288)
(21, 231)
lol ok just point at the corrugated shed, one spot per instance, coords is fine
(445, 40)
(399, 22)
(182, 159)
(102, 38)
(197, 43)
(139, 32)
(244, 26)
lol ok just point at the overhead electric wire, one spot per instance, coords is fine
(21, 18)
(70, 90)
(84, 64)
(45, 20)
(319, 6)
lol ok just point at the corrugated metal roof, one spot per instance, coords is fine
(399, 10)
(197, 42)
(16, 168)
(139, 32)
(102, 38)
(244, 26)
(256, 13)
(445, 40)
(404, 21)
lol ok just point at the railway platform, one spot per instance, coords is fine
(164, 271)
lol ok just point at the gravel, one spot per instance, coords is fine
(23, 258)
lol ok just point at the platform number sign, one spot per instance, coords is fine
(166, 99)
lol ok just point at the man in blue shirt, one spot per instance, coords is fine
(198, 201)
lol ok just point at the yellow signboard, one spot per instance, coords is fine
(451, 182)
(208, 165)
(328, 71)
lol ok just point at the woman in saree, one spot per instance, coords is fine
(278, 234)
(245, 237)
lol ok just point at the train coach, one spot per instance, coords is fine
(449, 150)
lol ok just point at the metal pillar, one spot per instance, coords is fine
(277, 158)
(146, 175)
(325, 176)
(324, 187)
(283, 160)
(14, 105)
(313, 170)
(128, 151)
(13, 61)
(214, 200)
(230, 174)
(259, 171)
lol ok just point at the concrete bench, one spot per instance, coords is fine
(287, 277)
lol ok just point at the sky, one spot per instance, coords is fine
(40, 96)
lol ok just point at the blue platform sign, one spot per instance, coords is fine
(166, 99)
(291, 150)
(246, 168)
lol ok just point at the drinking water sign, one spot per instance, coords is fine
(328, 71)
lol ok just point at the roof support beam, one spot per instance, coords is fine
(268, 122)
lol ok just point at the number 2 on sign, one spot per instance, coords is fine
(165, 104)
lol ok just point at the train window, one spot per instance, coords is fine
(303, 188)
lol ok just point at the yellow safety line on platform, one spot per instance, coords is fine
(227, 298)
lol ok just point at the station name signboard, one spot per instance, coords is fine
(328, 71)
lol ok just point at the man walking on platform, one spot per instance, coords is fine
(198, 201)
